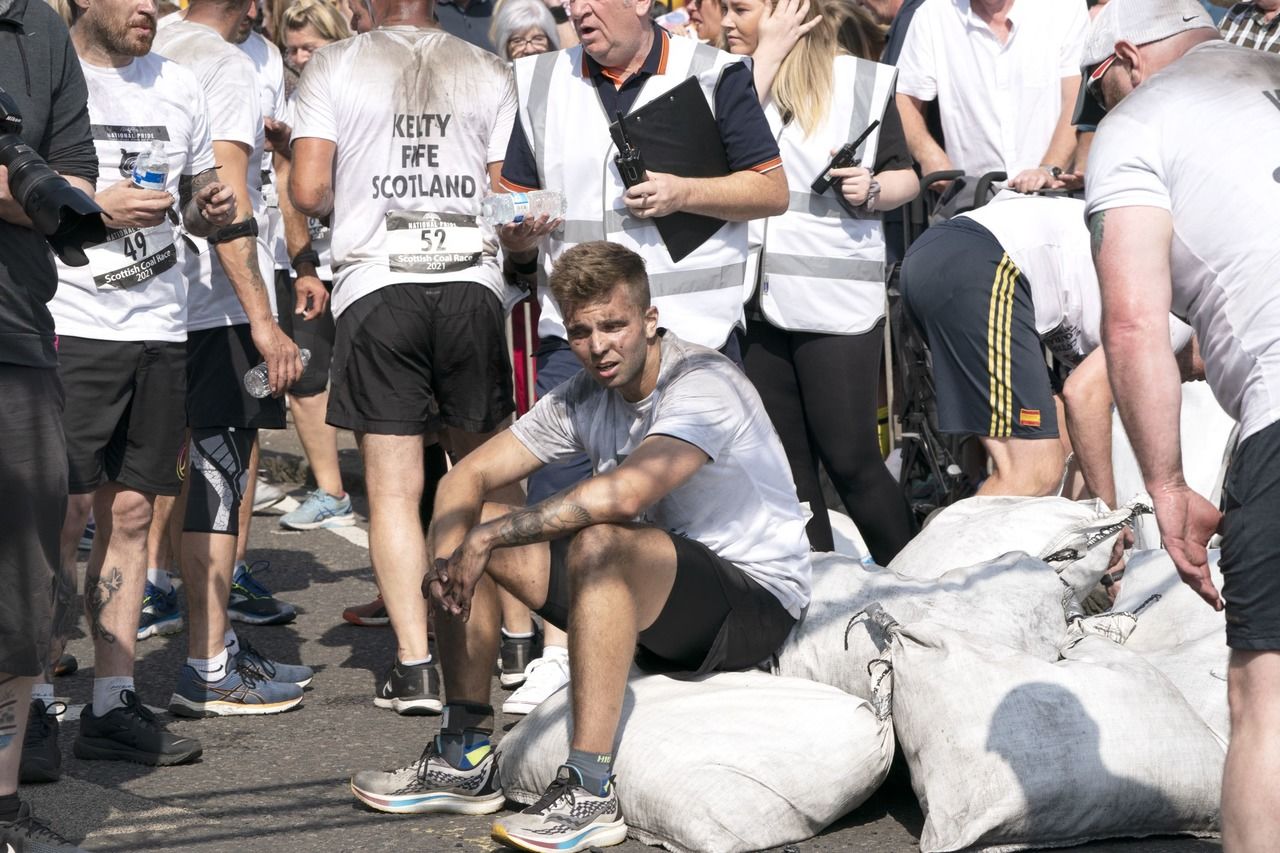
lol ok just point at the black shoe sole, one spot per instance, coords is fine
(106, 750)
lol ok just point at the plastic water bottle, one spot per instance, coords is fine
(256, 381)
(514, 208)
(151, 168)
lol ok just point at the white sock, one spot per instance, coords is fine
(43, 692)
(555, 652)
(518, 635)
(160, 579)
(417, 662)
(106, 693)
(213, 669)
(232, 642)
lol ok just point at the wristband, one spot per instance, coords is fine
(306, 256)
(525, 267)
(247, 228)
(559, 15)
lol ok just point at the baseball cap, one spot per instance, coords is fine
(1138, 22)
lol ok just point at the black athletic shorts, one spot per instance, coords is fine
(716, 618)
(974, 307)
(315, 335)
(125, 418)
(217, 360)
(413, 358)
(33, 479)
(1251, 543)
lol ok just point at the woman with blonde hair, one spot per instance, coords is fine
(816, 318)
(308, 25)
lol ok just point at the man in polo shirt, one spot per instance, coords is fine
(561, 142)
(1005, 74)
(1255, 25)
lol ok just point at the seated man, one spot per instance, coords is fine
(688, 542)
(991, 289)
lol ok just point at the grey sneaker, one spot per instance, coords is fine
(266, 669)
(431, 784)
(27, 834)
(567, 819)
(514, 655)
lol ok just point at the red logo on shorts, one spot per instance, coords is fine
(1029, 418)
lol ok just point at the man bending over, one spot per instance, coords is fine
(687, 542)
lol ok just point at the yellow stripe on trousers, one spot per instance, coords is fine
(999, 348)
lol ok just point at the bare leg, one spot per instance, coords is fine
(1023, 467)
(553, 636)
(319, 440)
(1251, 782)
(207, 565)
(15, 702)
(116, 577)
(246, 505)
(176, 518)
(64, 610)
(397, 546)
(159, 538)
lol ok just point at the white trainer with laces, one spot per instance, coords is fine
(543, 677)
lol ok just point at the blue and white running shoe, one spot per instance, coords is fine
(320, 509)
(432, 784)
(266, 669)
(238, 692)
(252, 603)
(160, 613)
(567, 819)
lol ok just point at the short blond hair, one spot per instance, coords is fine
(321, 15)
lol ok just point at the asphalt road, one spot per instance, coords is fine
(280, 783)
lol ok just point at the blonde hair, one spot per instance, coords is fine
(802, 87)
(321, 15)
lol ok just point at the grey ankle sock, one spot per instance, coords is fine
(594, 768)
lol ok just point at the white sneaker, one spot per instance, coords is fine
(266, 495)
(543, 677)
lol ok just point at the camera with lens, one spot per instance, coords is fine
(66, 216)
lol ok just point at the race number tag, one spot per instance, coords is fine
(132, 256)
(432, 242)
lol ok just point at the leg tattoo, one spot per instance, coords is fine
(96, 599)
(8, 712)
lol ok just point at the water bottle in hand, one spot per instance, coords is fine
(514, 208)
(256, 381)
(151, 168)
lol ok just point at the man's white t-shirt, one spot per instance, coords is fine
(270, 68)
(417, 116)
(133, 288)
(999, 104)
(230, 84)
(742, 504)
(1201, 139)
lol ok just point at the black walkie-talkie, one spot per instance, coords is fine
(844, 157)
(630, 163)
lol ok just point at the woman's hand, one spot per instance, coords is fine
(781, 27)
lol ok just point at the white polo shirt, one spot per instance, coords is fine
(1162, 147)
(999, 103)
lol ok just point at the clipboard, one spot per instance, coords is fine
(677, 134)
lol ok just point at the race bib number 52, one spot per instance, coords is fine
(419, 242)
(132, 256)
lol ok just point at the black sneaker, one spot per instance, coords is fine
(27, 834)
(514, 655)
(131, 733)
(41, 758)
(412, 691)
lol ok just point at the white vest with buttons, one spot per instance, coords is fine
(823, 269)
(700, 298)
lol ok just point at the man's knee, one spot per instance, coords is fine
(1253, 688)
(131, 514)
(597, 550)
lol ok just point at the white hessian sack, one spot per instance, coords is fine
(1075, 537)
(1014, 599)
(1012, 753)
(1207, 433)
(710, 764)
(1160, 618)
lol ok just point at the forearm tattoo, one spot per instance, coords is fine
(549, 519)
(1096, 223)
(9, 711)
(96, 599)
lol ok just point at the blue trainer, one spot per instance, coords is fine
(160, 613)
(253, 603)
(320, 509)
(238, 692)
(266, 669)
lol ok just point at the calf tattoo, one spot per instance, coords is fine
(8, 711)
(96, 599)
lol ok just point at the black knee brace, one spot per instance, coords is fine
(219, 472)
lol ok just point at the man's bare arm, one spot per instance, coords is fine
(311, 178)
(1062, 146)
(924, 148)
(193, 217)
(1087, 395)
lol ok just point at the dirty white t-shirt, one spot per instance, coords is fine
(742, 504)
(417, 116)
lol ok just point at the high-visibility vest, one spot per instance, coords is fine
(700, 298)
(823, 269)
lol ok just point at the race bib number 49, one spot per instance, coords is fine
(132, 256)
(432, 242)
